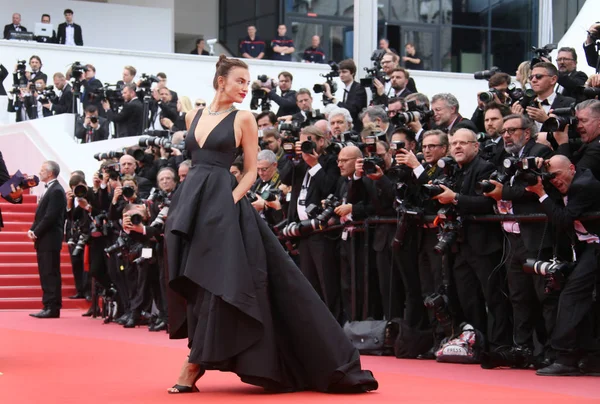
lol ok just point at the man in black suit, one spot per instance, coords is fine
(543, 79)
(27, 105)
(498, 85)
(530, 303)
(589, 46)
(69, 33)
(92, 128)
(479, 284)
(355, 96)
(569, 79)
(162, 82)
(16, 195)
(129, 167)
(14, 27)
(287, 99)
(492, 147)
(586, 156)
(3, 75)
(130, 118)
(91, 85)
(35, 63)
(47, 39)
(64, 105)
(377, 115)
(445, 114)
(399, 77)
(573, 335)
(47, 234)
(312, 180)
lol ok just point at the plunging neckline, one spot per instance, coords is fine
(211, 131)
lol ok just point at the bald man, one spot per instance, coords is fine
(323, 126)
(128, 166)
(573, 334)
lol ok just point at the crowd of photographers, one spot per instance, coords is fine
(400, 209)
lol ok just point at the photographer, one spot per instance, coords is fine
(267, 119)
(586, 156)
(267, 185)
(130, 118)
(27, 102)
(573, 334)
(64, 103)
(379, 118)
(479, 284)
(529, 302)
(128, 166)
(92, 87)
(307, 115)
(492, 147)
(340, 123)
(287, 100)
(498, 85)
(272, 141)
(399, 79)
(312, 180)
(445, 114)
(569, 79)
(162, 109)
(543, 78)
(92, 128)
(590, 46)
(355, 96)
(36, 73)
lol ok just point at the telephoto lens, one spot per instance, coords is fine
(128, 192)
(136, 219)
(80, 191)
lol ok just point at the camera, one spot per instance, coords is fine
(437, 304)
(48, 95)
(555, 272)
(449, 227)
(260, 98)
(80, 245)
(488, 96)
(564, 117)
(370, 164)
(318, 219)
(101, 225)
(529, 173)
(320, 88)
(509, 168)
(136, 218)
(80, 191)
(486, 74)
(270, 195)
(128, 192)
(541, 52)
(374, 72)
(146, 81)
(308, 146)
(449, 167)
(109, 155)
(330, 203)
(113, 171)
(78, 71)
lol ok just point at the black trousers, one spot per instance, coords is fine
(319, 265)
(147, 287)
(98, 261)
(79, 274)
(49, 270)
(531, 305)
(430, 263)
(480, 284)
(573, 334)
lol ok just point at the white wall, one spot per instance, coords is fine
(192, 75)
(103, 25)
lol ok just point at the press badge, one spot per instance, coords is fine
(345, 235)
(146, 252)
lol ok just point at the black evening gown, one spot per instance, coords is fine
(241, 301)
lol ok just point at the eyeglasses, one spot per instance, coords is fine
(262, 170)
(344, 161)
(538, 76)
(200, 104)
(564, 59)
(511, 131)
(461, 143)
(430, 146)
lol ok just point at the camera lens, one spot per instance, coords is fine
(308, 147)
(80, 191)
(128, 192)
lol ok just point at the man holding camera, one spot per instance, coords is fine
(498, 85)
(28, 104)
(492, 147)
(378, 116)
(92, 128)
(478, 283)
(569, 79)
(266, 188)
(399, 79)
(64, 104)
(572, 338)
(355, 96)
(128, 166)
(287, 100)
(527, 239)
(340, 123)
(587, 155)
(312, 180)
(446, 116)
(91, 88)
(130, 118)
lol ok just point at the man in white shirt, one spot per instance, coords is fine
(69, 33)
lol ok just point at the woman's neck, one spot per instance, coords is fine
(220, 103)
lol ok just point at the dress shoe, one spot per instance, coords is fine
(160, 325)
(123, 319)
(590, 365)
(90, 312)
(132, 321)
(558, 369)
(77, 296)
(47, 313)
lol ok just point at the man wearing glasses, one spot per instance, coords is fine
(543, 78)
(478, 281)
(527, 240)
(569, 79)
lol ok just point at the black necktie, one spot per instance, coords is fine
(345, 95)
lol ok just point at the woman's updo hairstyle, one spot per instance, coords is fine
(224, 65)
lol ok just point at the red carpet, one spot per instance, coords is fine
(81, 360)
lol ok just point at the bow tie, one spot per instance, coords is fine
(47, 185)
(545, 102)
(69, 25)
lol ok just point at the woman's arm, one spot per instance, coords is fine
(246, 125)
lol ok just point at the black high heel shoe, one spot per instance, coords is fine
(187, 389)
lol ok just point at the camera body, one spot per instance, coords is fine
(78, 71)
(540, 53)
(564, 117)
(260, 99)
(555, 272)
(486, 74)
(529, 173)
(48, 95)
(320, 88)
(146, 81)
(374, 72)
(370, 164)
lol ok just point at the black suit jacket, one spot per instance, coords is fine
(356, 101)
(3, 75)
(65, 102)
(30, 106)
(591, 55)
(130, 118)
(484, 238)
(319, 188)
(90, 87)
(571, 81)
(287, 102)
(562, 101)
(586, 157)
(4, 176)
(8, 28)
(93, 135)
(48, 224)
(525, 202)
(144, 187)
(62, 34)
(582, 197)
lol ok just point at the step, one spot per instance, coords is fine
(27, 198)
(21, 246)
(29, 268)
(32, 291)
(18, 217)
(15, 226)
(28, 257)
(13, 236)
(20, 207)
(32, 280)
(32, 303)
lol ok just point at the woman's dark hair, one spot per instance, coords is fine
(224, 65)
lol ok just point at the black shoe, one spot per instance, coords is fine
(590, 365)
(558, 369)
(132, 321)
(428, 355)
(77, 296)
(47, 314)
(123, 319)
(90, 312)
(158, 326)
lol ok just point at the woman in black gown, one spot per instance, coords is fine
(234, 292)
